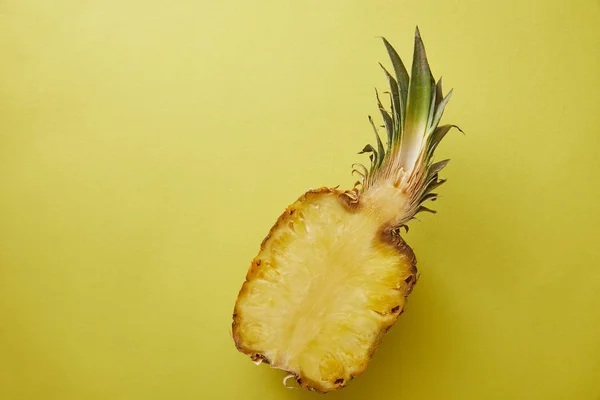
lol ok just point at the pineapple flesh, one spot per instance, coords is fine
(333, 274)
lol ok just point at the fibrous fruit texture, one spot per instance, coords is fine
(333, 274)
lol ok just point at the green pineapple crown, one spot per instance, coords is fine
(413, 133)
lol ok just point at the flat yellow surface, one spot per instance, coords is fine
(146, 147)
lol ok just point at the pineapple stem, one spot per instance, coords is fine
(413, 134)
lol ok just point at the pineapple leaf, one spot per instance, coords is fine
(437, 136)
(367, 149)
(437, 167)
(396, 107)
(363, 170)
(387, 121)
(420, 92)
(380, 149)
(425, 209)
(433, 184)
(439, 94)
(432, 108)
(428, 197)
(401, 77)
(374, 157)
(439, 111)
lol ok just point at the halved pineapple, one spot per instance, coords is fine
(334, 273)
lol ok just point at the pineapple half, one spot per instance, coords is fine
(333, 274)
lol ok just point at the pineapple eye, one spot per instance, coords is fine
(396, 309)
(339, 381)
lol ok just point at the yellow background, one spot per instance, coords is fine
(146, 147)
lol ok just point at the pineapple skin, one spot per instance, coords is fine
(387, 236)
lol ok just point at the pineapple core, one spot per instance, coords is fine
(324, 288)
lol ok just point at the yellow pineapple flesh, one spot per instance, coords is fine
(325, 284)
(333, 274)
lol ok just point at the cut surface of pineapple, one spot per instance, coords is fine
(326, 285)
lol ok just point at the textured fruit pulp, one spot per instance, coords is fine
(321, 292)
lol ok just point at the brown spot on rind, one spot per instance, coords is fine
(257, 356)
(262, 244)
(391, 236)
(413, 268)
(348, 203)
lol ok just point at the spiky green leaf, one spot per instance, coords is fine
(433, 184)
(367, 149)
(396, 106)
(437, 136)
(439, 94)
(387, 121)
(431, 108)
(420, 92)
(402, 77)
(380, 149)
(436, 167)
(428, 197)
(425, 209)
(439, 111)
